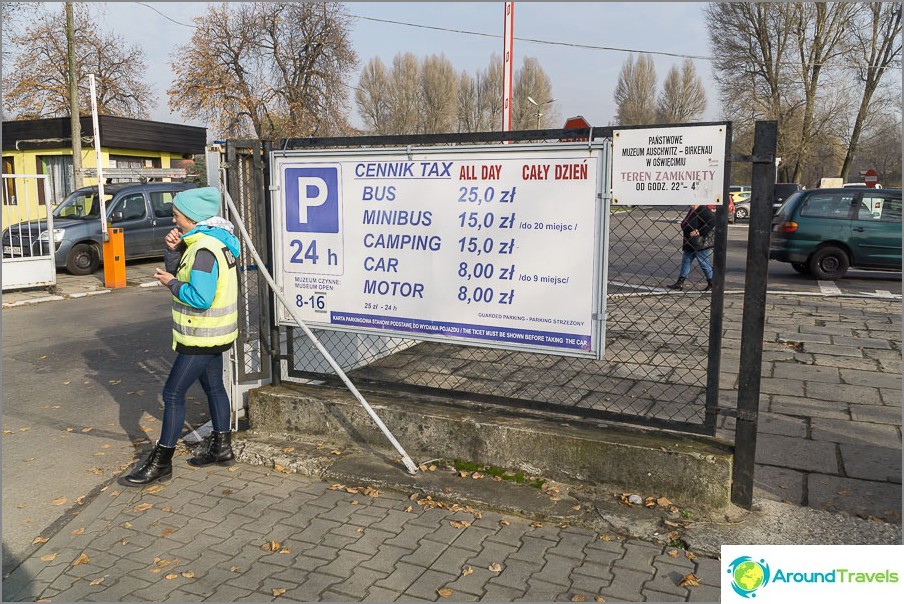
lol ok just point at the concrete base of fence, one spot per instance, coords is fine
(691, 471)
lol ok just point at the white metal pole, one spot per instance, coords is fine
(412, 468)
(508, 32)
(100, 171)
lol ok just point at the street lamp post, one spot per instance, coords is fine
(538, 106)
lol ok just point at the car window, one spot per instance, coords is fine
(162, 203)
(828, 205)
(879, 207)
(132, 207)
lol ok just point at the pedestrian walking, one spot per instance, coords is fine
(698, 230)
(200, 259)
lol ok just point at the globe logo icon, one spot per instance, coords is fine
(748, 575)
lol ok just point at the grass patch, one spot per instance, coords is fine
(461, 465)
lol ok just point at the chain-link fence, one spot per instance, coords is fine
(660, 366)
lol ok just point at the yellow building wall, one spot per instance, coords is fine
(26, 189)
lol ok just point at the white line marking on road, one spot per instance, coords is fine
(149, 284)
(828, 287)
(884, 293)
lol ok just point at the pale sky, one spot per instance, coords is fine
(583, 80)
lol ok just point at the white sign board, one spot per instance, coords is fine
(682, 165)
(494, 246)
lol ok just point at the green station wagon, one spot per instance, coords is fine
(824, 232)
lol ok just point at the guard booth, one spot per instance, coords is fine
(530, 276)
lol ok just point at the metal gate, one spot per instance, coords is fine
(662, 350)
(28, 242)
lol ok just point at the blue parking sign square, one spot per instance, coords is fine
(312, 200)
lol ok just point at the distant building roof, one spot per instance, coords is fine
(115, 133)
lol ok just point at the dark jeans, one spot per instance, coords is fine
(206, 368)
(703, 259)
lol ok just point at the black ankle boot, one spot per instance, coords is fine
(219, 451)
(679, 284)
(709, 285)
(158, 466)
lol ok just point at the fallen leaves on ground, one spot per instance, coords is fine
(459, 524)
(445, 592)
(79, 531)
(495, 567)
(49, 557)
(59, 501)
(97, 581)
(188, 574)
(690, 580)
(467, 571)
(271, 546)
(690, 555)
(141, 507)
(170, 576)
(504, 522)
(82, 559)
(578, 598)
(154, 489)
(233, 569)
(40, 540)
(278, 591)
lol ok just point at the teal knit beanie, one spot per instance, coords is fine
(199, 204)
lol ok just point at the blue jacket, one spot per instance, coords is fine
(201, 287)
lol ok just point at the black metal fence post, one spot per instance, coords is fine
(763, 179)
(717, 305)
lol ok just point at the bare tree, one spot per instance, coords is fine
(818, 35)
(531, 81)
(439, 93)
(37, 85)
(635, 93)
(372, 96)
(683, 98)
(875, 48)
(468, 114)
(490, 95)
(269, 69)
(880, 149)
(405, 95)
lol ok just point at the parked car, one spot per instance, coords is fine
(741, 200)
(824, 232)
(782, 191)
(144, 211)
(738, 188)
(859, 185)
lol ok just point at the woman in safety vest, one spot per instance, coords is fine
(200, 259)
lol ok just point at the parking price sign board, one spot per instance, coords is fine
(487, 245)
(668, 165)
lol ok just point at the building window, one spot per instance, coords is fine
(58, 169)
(9, 184)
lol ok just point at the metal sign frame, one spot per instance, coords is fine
(530, 337)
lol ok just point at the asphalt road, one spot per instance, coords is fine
(644, 254)
(81, 383)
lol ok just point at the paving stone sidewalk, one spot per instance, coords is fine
(250, 534)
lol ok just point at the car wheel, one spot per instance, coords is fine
(83, 259)
(829, 263)
(741, 213)
(800, 267)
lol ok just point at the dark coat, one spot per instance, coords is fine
(703, 220)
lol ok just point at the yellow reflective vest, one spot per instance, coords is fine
(218, 324)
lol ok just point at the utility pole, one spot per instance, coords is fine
(76, 126)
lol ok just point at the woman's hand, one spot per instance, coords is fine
(173, 239)
(162, 276)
